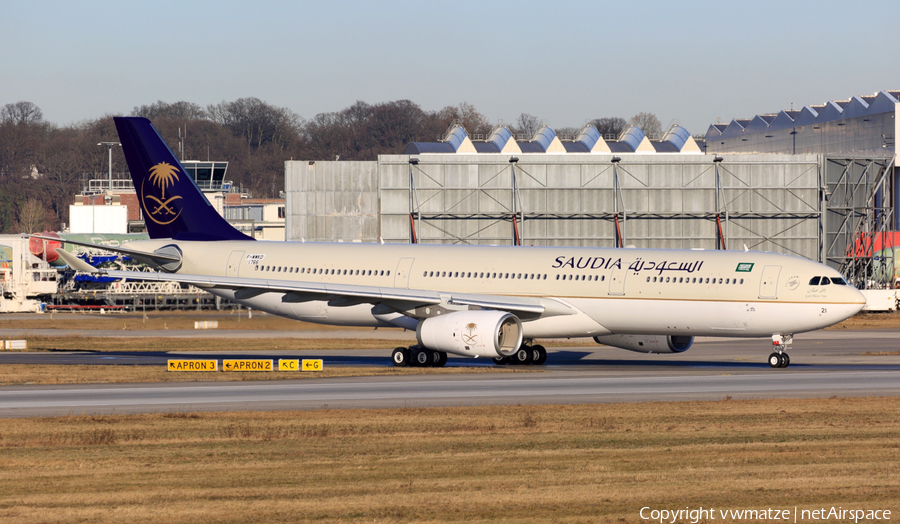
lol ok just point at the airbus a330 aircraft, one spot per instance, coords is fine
(475, 301)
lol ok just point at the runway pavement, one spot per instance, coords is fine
(823, 364)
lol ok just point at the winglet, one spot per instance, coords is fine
(75, 263)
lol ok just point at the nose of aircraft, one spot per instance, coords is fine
(857, 299)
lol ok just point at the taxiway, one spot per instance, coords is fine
(825, 363)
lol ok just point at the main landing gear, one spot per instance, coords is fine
(527, 353)
(781, 343)
(418, 356)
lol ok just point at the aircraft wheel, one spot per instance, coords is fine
(522, 356)
(400, 357)
(501, 361)
(539, 355)
(775, 360)
(786, 360)
(440, 359)
(422, 357)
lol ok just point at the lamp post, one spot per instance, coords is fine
(110, 145)
(517, 237)
(414, 211)
(617, 194)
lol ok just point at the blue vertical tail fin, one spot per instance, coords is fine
(173, 205)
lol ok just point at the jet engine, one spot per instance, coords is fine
(483, 333)
(648, 343)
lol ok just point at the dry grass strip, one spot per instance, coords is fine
(585, 463)
(156, 320)
(866, 320)
(19, 374)
(89, 343)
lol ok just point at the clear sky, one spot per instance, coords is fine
(696, 62)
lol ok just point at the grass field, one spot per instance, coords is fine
(583, 463)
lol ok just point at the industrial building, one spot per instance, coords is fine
(864, 125)
(589, 191)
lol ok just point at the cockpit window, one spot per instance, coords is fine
(838, 281)
(824, 281)
(814, 281)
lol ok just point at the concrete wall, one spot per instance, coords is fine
(98, 219)
(331, 201)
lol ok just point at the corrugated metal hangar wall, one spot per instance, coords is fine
(766, 202)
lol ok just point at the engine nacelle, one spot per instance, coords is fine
(648, 343)
(483, 333)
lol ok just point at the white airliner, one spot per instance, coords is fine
(476, 301)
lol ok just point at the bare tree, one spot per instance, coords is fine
(527, 125)
(648, 123)
(32, 217)
(179, 110)
(257, 122)
(609, 127)
(21, 113)
(21, 131)
(567, 132)
(467, 116)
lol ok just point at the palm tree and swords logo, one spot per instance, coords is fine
(162, 210)
(470, 337)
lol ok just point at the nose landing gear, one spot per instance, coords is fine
(781, 344)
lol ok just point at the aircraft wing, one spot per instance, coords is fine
(346, 294)
(142, 256)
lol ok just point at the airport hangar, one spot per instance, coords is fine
(811, 182)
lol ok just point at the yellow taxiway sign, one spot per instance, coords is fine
(193, 365)
(247, 365)
(312, 365)
(288, 365)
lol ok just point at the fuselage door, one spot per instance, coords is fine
(401, 279)
(234, 264)
(768, 283)
(617, 281)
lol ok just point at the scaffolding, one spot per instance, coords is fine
(860, 218)
(703, 202)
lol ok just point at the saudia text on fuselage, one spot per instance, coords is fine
(637, 266)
